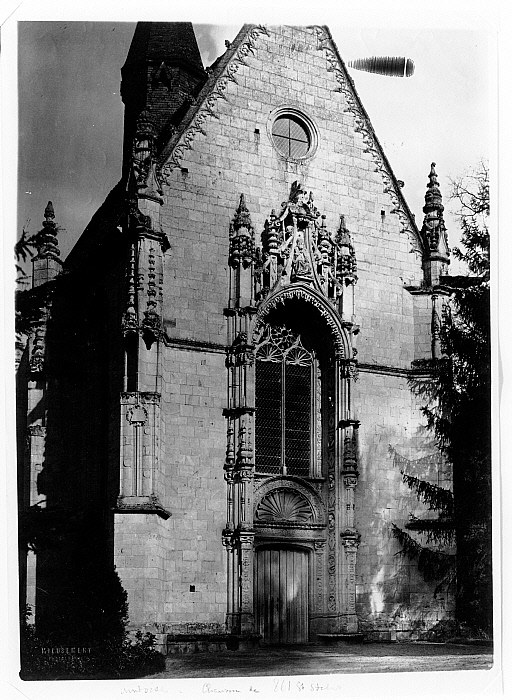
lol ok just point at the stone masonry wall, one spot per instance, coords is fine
(391, 594)
(174, 570)
(230, 158)
(233, 154)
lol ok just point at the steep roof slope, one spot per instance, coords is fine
(225, 69)
(172, 42)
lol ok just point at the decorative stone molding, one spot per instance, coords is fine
(245, 541)
(213, 91)
(364, 127)
(299, 291)
(141, 504)
(349, 481)
(144, 285)
(152, 326)
(350, 539)
(148, 397)
(331, 503)
(433, 231)
(140, 453)
(319, 547)
(292, 533)
(137, 415)
(346, 268)
(38, 350)
(130, 324)
(275, 488)
(241, 237)
(192, 628)
(284, 505)
(36, 430)
(297, 247)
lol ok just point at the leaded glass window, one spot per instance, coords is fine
(291, 137)
(287, 411)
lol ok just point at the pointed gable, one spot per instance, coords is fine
(222, 72)
(228, 67)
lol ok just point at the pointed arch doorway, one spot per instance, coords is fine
(282, 594)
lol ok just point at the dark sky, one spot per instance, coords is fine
(69, 149)
(71, 117)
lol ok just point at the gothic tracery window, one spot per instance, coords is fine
(287, 405)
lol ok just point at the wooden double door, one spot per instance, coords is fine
(281, 594)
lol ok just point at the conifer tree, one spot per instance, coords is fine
(458, 401)
(434, 558)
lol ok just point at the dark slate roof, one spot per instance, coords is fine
(105, 219)
(171, 42)
(214, 73)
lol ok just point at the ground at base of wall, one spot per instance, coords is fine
(318, 660)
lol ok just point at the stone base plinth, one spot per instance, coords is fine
(336, 639)
(193, 643)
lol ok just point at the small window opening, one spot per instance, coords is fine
(291, 137)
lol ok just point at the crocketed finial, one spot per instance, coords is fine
(49, 212)
(434, 229)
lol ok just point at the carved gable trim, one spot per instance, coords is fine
(313, 297)
(214, 90)
(365, 128)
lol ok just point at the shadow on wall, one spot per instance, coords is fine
(398, 609)
(393, 597)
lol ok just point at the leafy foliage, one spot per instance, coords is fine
(436, 497)
(471, 192)
(129, 657)
(86, 601)
(433, 564)
(458, 401)
(438, 531)
(23, 249)
(86, 613)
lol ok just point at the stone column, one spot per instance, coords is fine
(246, 560)
(350, 542)
(349, 535)
(232, 594)
(435, 329)
(319, 546)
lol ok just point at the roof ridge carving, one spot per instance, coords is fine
(365, 128)
(225, 71)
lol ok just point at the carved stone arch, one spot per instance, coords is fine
(330, 319)
(288, 494)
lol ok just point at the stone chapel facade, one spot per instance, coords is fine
(195, 373)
